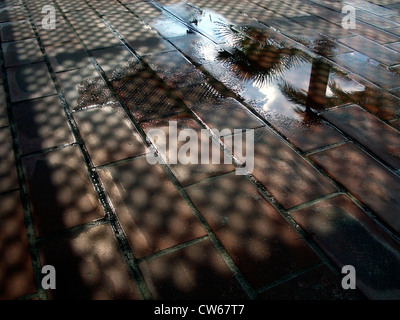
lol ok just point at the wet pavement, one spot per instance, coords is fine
(78, 104)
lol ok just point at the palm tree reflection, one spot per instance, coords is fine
(256, 56)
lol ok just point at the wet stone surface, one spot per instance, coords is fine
(79, 106)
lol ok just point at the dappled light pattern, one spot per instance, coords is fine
(146, 209)
(351, 166)
(17, 30)
(67, 56)
(144, 95)
(212, 107)
(41, 124)
(118, 141)
(89, 266)
(192, 273)
(8, 171)
(372, 133)
(196, 168)
(259, 240)
(21, 52)
(175, 70)
(29, 81)
(284, 173)
(83, 88)
(16, 273)
(337, 224)
(61, 195)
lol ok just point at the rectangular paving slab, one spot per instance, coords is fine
(153, 215)
(365, 178)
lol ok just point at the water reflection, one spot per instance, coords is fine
(278, 77)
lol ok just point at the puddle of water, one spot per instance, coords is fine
(206, 21)
(276, 77)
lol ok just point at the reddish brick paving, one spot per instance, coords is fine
(79, 190)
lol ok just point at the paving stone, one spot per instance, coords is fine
(149, 43)
(150, 209)
(109, 7)
(41, 124)
(379, 102)
(287, 176)
(21, 52)
(13, 14)
(213, 110)
(350, 237)
(169, 27)
(115, 60)
(74, 6)
(175, 69)
(16, 272)
(89, 266)
(143, 94)
(368, 68)
(198, 166)
(370, 7)
(83, 88)
(8, 170)
(396, 123)
(208, 22)
(14, 31)
(372, 49)
(259, 240)
(198, 48)
(83, 18)
(10, 3)
(307, 131)
(125, 22)
(395, 31)
(371, 132)
(97, 37)
(375, 34)
(365, 178)
(319, 284)
(60, 191)
(394, 46)
(191, 273)
(145, 10)
(29, 81)
(109, 135)
(63, 33)
(67, 56)
(380, 22)
(327, 28)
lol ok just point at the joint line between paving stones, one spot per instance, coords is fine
(289, 277)
(74, 229)
(34, 153)
(103, 197)
(172, 249)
